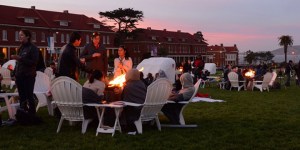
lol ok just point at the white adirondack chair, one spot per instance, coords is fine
(234, 81)
(6, 77)
(49, 72)
(263, 85)
(67, 95)
(157, 95)
(41, 91)
(185, 103)
(273, 78)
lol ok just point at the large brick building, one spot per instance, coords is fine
(44, 24)
(222, 55)
(178, 45)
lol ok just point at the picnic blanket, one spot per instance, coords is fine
(204, 99)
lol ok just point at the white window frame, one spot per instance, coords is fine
(107, 40)
(64, 23)
(33, 36)
(16, 36)
(103, 39)
(62, 38)
(43, 37)
(4, 35)
(97, 26)
(54, 37)
(67, 37)
(87, 39)
(29, 20)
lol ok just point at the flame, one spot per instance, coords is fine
(120, 80)
(250, 73)
(181, 69)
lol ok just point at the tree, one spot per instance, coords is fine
(285, 41)
(250, 57)
(126, 21)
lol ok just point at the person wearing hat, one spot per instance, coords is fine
(95, 55)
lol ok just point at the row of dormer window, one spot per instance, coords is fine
(61, 22)
(64, 38)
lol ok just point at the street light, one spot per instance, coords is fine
(293, 53)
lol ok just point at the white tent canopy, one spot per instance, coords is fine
(154, 64)
(211, 67)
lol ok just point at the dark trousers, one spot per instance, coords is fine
(288, 80)
(25, 85)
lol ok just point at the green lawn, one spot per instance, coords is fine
(247, 120)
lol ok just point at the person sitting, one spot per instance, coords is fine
(95, 83)
(149, 79)
(134, 91)
(172, 110)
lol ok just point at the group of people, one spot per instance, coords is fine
(92, 60)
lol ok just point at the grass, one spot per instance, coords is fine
(247, 120)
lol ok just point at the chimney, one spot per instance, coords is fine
(165, 29)
(33, 7)
(221, 44)
(234, 45)
(149, 28)
(178, 30)
(66, 11)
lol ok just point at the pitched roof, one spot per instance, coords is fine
(49, 19)
(166, 36)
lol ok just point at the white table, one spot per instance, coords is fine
(104, 129)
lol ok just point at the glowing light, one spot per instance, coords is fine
(250, 73)
(119, 80)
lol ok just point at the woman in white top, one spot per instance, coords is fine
(95, 83)
(122, 64)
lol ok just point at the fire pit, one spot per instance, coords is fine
(249, 75)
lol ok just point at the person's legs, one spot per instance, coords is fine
(20, 82)
(288, 80)
(29, 82)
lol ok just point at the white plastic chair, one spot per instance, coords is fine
(157, 95)
(263, 85)
(6, 77)
(234, 81)
(67, 95)
(185, 103)
(41, 91)
(49, 72)
(274, 76)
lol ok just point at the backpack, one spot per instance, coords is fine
(25, 118)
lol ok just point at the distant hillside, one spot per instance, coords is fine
(294, 48)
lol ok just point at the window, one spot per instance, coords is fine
(28, 20)
(107, 40)
(4, 35)
(67, 37)
(87, 39)
(43, 37)
(103, 39)
(16, 35)
(62, 38)
(33, 38)
(96, 26)
(169, 39)
(153, 37)
(64, 23)
(54, 37)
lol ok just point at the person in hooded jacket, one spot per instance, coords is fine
(172, 110)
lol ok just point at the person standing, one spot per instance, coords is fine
(288, 71)
(95, 55)
(122, 64)
(27, 59)
(68, 62)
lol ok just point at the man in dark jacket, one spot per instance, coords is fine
(68, 62)
(95, 55)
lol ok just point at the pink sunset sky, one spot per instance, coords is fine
(251, 25)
